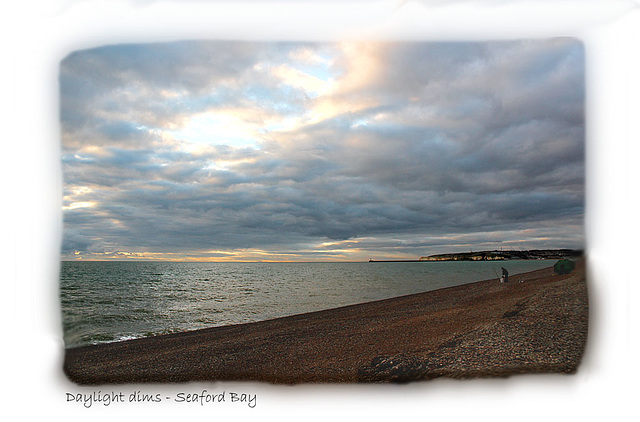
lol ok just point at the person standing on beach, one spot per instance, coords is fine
(505, 276)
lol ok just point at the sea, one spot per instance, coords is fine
(111, 301)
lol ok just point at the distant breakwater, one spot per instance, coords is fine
(395, 260)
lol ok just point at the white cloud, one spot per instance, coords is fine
(302, 150)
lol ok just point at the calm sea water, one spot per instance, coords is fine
(113, 301)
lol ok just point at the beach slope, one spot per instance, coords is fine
(536, 323)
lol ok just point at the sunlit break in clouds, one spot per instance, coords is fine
(240, 151)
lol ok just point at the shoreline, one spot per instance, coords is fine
(483, 328)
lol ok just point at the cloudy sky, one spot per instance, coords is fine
(321, 151)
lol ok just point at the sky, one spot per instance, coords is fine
(341, 151)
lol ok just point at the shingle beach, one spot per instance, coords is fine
(536, 323)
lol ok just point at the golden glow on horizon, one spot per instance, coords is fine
(243, 255)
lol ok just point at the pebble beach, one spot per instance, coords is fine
(535, 323)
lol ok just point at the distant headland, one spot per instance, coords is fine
(496, 255)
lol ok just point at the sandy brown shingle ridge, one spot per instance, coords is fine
(476, 330)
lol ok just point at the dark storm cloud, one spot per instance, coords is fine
(440, 146)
